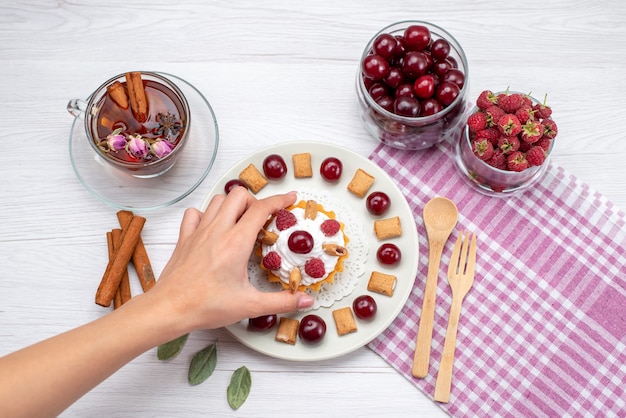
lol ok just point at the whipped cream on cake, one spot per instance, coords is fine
(314, 245)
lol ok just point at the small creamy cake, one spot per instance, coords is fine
(303, 246)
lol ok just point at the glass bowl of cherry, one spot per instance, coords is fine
(411, 84)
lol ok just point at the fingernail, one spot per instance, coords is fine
(305, 301)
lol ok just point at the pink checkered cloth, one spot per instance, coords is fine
(543, 329)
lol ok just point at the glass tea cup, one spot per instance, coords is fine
(136, 122)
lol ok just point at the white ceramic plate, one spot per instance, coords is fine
(388, 307)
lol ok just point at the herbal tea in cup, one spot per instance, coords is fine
(138, 122)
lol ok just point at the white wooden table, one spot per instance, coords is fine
(274, 71)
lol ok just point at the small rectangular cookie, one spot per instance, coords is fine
(252, 178)
(302, 165)
(344, 320)
(360, 183)
(310, 210)
(382, 283)
(287, 330)
(388, 228)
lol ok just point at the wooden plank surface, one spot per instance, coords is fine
(274, 72)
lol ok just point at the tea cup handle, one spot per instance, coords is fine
(76, 107)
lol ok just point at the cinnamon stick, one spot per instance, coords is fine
(137, 96)
(140, 258)
(123, 294)
(117, 92)
(117, 300)
(116, 267)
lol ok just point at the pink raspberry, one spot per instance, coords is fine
(509, 125)
(511, 102)
(285, 219)
(330, 227)
(486, 99)
(525, 146)
(536, 155)
(315, 268)
(494, 113)
(483, 149)
(525, 113)
(498, 160)
(531, 131)
(491, 134)
(272, 260)
(508, 144)
(544, 143)
(517, 161)
(549, 128)
(477, 121)
(542, 110)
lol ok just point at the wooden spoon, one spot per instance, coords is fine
(440, 216)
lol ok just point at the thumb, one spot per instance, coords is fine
(283, 302)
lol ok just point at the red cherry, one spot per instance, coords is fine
(440, 49)
(385, 45)
(430, 107)
(406, 106)
(416, 37)
(389, 254)
(331, 169)
(231, 184)
(261, 323)
(456, 76)
(440, 68)
(394, 78)
(368, 82)
(400, 46)
(424, 86)
(377, 90)
(405, 90)
(274, 167)
(300, 242)
(375, 67)
(415, 64)
(377, 203)
(447, 92)
(312, 329)
(429, 60)
(364, 307)
(386, 103)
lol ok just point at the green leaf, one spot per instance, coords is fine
(203, 364)
(239, 387)
(170, 349)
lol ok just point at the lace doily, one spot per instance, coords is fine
(353, 266)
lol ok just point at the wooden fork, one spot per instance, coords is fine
(461, 277)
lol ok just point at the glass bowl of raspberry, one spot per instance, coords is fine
(505, 146)
(411, 85)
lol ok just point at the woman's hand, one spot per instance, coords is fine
(206, 279)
